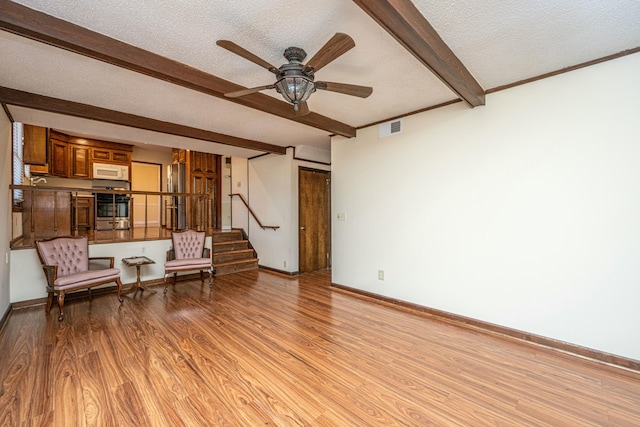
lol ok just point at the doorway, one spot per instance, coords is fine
(146, 177)
(314, 214)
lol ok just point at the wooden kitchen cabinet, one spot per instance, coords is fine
(82, 213)
(69, 160)
(79, 162)
(46, 214)
(34, 139)
(59, 162)
(118, 156)
(106, 155)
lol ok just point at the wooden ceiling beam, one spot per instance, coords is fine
(406, 24)
(26, 22)
(69, 108)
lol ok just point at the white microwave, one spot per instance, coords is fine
(107, 171)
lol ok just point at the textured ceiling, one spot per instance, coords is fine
(500, 42)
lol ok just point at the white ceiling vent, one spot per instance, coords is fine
(390, 128)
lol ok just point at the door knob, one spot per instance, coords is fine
(301, 228)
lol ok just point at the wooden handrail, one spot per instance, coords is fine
(273, 227)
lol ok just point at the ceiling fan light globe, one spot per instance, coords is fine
(295, 89)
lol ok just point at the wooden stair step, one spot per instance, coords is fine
(236, 266)
(225, 236)
(232, 245)
(234, 255)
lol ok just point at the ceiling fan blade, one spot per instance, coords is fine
(244, 92)
(347, 89)
(303, 109)
(336, 46)
(240, 51)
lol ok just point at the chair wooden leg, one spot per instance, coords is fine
(119, 283)
(90, 296)
(201, 278)
(165, 284)
(49, 302)
(61, 306)
(175, 277)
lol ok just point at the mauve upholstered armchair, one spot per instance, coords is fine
(188, 254)
(65, 261)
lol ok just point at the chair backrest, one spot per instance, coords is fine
(70, 254)
(188, 244)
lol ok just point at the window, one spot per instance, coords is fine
(18, 165)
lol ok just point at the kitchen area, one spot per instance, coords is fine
(80, 186)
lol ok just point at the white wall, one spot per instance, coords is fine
(523, 213)
(273, 195)
(27, 277)
(270, 194)
(240, 185)
(5, 211)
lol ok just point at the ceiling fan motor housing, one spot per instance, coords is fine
(295, 54)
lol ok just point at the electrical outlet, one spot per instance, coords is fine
(144, 249)
(380, 274)
(342, 216)
(284, 264)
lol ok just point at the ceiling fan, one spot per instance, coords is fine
(295, 80)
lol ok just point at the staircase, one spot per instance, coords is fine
(232, 252)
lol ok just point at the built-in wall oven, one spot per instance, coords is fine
(113, 210)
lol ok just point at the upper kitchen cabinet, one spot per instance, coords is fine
(69, 160)
(35, 145)
(59, 162)
(106, 155)
(80, 166)
(73, 157)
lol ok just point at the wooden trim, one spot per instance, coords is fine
(409, 27)
(44, 28)
(504, 332)
(89, 141)
(422, 110)
(85, 111)
(7, 112)
(5, 317)
(307, 160)
(278, 272)
(565, 70)
(218, 201)
(258, 156)
(510, 85)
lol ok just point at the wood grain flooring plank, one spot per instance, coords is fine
(131, 408)
(268, 349)
(98, 400)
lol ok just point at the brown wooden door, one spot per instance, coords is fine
(314, 203)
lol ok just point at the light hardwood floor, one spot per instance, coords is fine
(261, 349)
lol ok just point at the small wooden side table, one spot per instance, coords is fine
(138, 261)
